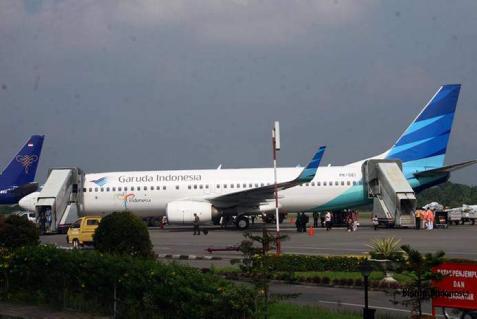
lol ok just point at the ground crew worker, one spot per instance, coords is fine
(431, 219)
(322, 220)
(196, 224)
(315, 219)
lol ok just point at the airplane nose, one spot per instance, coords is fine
(28, 202)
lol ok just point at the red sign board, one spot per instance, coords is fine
(458, 288)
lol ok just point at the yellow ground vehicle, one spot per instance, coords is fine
(81, 231)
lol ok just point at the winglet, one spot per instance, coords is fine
(309, 171)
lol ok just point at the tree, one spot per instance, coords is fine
(418, 268)
(254, 262)
(16, 231)
(123, 234)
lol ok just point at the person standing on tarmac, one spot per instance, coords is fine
(418, 218)
(375, 222)
(304, 219)
(328, 220)
(316, 215)
(298, 222)
(196, 224)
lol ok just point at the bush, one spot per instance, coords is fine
(144, 288)
(16, 231)
(293, 263)
(123, 234)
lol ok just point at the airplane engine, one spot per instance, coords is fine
(182, 211)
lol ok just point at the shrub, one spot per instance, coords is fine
(325, 280)
(123, 234)
(358, 282)
(144, 288)
(16, 231)
(293, 263)
(386, 248)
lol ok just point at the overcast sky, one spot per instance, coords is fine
(139, 85)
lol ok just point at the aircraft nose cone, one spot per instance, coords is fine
(28, 202)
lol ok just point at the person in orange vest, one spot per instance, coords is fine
(431, 219)
(427, 218)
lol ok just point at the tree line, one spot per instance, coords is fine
(448, 194)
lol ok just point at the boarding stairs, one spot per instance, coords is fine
(60, 199)
(394, 200)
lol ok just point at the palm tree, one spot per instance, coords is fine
(419, 269)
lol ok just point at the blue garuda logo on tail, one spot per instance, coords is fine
(26, 161)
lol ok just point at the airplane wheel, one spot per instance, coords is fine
(242, 222)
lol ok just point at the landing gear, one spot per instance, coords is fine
(242, 222)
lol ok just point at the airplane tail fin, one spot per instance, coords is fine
(22, 168)
(424, 143)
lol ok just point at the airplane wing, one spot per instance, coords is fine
(445, 169)
(255, 196)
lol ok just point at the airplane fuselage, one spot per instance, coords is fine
(148, 193)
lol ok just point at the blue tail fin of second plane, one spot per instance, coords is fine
(22, 168)
(424, 143)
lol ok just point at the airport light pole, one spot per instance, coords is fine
(276, 147)
(365, 268)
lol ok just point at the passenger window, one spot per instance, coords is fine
(145, 188)
(348, 183)
(324, 183)
(189, 187)
(201, 186)
(207, 186)
(225, 185)
(132, 188)
(342, 183)
(244, 185)
(119, 189)
(318, 183)
(256, 184)
(177, 187)
(158, 188)
(102, 189)
(307, 184)
(163, 188)
(354, 182)
(262, 184)
(195, 186)
(312, 183)
(250, 185)
(90, 190)
(84, 190)
(218, 186)
(337, 183)
(125, 188)
(330, 183)
(231, 185)
(238, 185)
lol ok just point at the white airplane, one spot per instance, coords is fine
(241, 192)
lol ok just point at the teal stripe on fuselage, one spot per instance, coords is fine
(356, 196)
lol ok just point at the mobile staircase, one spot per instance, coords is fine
(394, 200)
